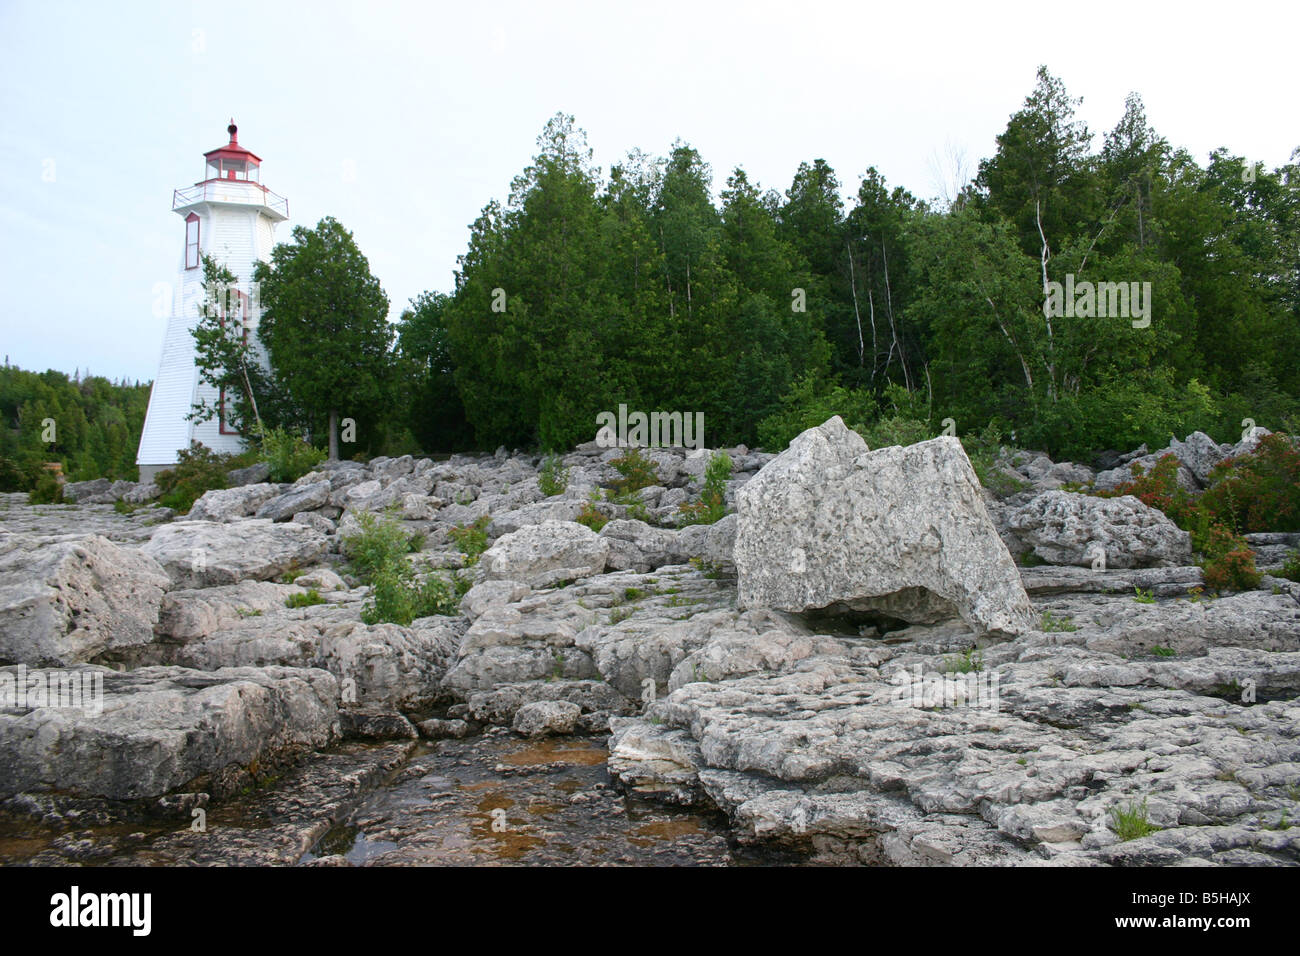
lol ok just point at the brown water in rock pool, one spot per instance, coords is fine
(495, 799)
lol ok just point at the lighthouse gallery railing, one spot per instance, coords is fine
(228, 190)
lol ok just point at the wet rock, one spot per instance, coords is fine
(375, 725)
(544, 717)
(162, 727)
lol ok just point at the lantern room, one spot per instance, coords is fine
(232, 161)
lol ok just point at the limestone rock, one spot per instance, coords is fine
(227, 504)
(303, 498)
(204, 553)
(901, 529)
(162, 727)
(543, 717)
(546, 554)
(67, 599)
(1067, 528)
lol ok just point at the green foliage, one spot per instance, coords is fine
(1131, 823)
(46, 490)
(1291, 568)
(97, 425)
(553, 477)
(712, 503)
(1258, 491)
(638, 472)
(198, 469)
(380, 543)
(1159, 651)
(308, 599)
(1052, 623)
(592, 518)
(1143, 597)
(471, 539)
(325, 326)
(289, 456)
(397, 596)
(810, 402)
(969, 661)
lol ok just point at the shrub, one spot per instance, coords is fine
(198, 470)
(810, 403)
(1158, 489)
(46, 490)
(712, 504)
(592, 518)
(396, 597)
(1258, 491)
(471, 539)
(309, 599)
(638, 472)
(13, 477)
(553, 477)
(288, 455)
(1291, 569)
(1229, 564)
(381, 543)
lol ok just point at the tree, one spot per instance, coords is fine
(434, 412)
(228, 358)
(325, 325)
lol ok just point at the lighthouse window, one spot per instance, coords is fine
(191, 241)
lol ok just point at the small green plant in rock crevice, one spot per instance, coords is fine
(712, 504)
(1131, 823)
(309, 599)
(1051, 622)
(471, 539)
(971, 661)
(552, 478)
(1143, 597)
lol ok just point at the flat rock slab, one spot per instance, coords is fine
(900, 530)
(201, 554)
(162, 727)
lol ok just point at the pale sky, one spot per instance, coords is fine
(404, 120)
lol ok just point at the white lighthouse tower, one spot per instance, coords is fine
(230, 216)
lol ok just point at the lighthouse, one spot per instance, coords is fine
(230, 216)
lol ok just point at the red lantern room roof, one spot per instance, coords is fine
(232, 150)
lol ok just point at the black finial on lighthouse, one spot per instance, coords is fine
(232, 129)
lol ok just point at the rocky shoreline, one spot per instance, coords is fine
(850, 667)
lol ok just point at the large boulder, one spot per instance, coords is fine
(1199, 454)
(902, 530)
(150, 731)
(79, 492)
(1065, 528)
(546, 554)
(200, 554)
(228, 504)
(637, 546)
(304, 498)
(65, 600)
